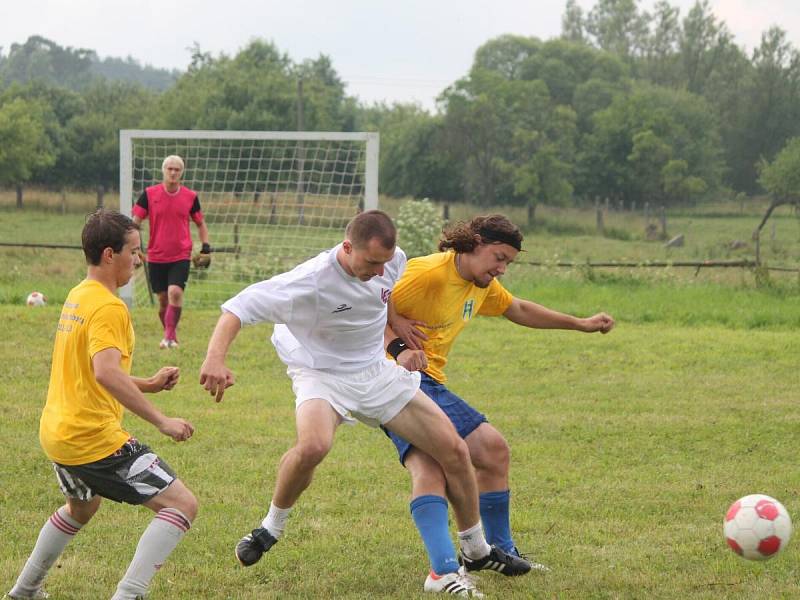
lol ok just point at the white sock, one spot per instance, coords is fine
(157, 542)
(473, 542)
(275, 521)
(54, 536)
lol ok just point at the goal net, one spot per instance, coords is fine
(271, 199)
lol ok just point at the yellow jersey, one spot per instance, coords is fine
(432, 291)
(81, 421)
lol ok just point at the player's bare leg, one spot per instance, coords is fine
(427, 428)
(316, 423)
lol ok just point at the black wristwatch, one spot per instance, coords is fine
(206, 249)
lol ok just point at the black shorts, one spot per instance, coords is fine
(163, 275)
(133, 474)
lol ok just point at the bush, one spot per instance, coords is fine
(419, 225)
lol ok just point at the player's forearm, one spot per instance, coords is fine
(143, 384)
(202, 231)
(225, 332)
(388, 335)
(127, 392)
(537, 316)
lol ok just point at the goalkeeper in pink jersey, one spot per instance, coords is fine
(169, 206)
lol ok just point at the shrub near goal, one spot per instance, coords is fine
(271, 199)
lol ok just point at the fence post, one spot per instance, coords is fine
(600, 225)
(272, 209)
(101, 190)
(663, 218)
(757, 236)
(256, 197)
(63, 201)
(446, 212)
(19, 195)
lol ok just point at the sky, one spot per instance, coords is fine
(392, 51)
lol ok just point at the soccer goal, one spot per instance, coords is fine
(271, 199)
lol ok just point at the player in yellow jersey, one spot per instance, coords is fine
(437, 296)
(81, 425)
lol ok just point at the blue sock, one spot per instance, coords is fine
(495, 516)
(430, 516)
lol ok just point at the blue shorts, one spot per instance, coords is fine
(465, 418)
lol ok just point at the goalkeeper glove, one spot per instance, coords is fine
(202, 260)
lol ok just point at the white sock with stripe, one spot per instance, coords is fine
(473, 542)
(157, 542)
(53, 538)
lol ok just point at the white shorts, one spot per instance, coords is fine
(374, 395)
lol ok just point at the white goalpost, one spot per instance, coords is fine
(271, 199)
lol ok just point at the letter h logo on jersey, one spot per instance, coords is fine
(385, 295)
(469, 305)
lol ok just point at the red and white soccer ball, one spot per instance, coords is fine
(36, 299)
(757, 527)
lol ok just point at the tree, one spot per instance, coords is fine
(573, 23)
(661, 48)
(40, 59)
(629, 154)
(781, 179)
(619, 27)
(415, 158)
(25, 146)
(703, 43)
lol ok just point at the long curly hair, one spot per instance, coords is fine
(465, 236)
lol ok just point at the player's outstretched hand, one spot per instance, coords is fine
(408, 331)
(412, 360)
(178, 429)
(215, 377)
(600, 322)
(165, 379)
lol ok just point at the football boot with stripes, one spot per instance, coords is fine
(497, 560)
(457, 584)
(252, 546)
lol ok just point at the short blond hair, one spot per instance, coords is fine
(172, 158)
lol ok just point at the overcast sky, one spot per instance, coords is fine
(398, 50)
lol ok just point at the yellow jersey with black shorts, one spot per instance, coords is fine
(81, 421)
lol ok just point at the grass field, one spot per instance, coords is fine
(627, 448)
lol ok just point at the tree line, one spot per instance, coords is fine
(627, 104)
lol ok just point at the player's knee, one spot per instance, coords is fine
(188, 505)
(83, 511)
(311, 453)
(499, 452)
(429, 478)
(455, 456)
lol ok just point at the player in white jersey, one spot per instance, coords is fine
(330, 314)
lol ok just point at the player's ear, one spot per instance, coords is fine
(347, 245)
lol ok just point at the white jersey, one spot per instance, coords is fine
(324, 318)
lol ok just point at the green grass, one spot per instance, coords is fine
(626, 448)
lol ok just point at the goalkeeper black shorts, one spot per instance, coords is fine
(163, 275)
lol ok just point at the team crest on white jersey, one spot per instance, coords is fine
(385, 295)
